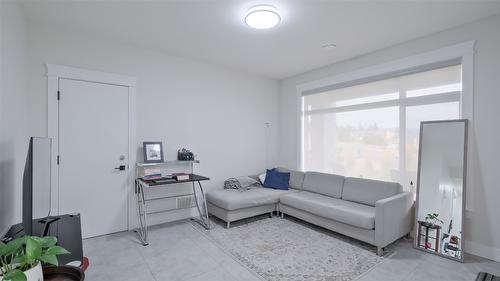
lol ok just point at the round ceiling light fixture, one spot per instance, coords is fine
(262, 17)
(329, 47)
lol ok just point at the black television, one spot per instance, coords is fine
(37, 219)
(37, 185)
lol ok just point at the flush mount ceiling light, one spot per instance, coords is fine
(262, 17)
(329, 47)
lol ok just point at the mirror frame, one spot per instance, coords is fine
(464, 185)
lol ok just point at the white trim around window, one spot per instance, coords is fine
(463, 53)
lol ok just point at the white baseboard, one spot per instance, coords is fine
(477, 249)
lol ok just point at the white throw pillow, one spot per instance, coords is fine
(262, 178)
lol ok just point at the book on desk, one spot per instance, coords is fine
(169, 179)
(181, 176)
(165, 179)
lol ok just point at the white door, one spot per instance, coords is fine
(93, 142)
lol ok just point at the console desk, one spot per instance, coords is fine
(141, 185)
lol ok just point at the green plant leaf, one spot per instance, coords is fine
(15, 275)
(47, 241)
(56, 250)
(19, 259)
(51, 259)
(13, 246)
(33, 250)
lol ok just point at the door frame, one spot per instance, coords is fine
(54, 74)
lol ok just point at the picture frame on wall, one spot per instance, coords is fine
(153, 151)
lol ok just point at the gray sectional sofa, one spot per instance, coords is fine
(374, 212)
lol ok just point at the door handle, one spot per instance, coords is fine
(120, 168)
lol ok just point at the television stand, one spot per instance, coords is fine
(47, 222)
(66, 228)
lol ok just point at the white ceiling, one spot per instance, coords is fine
(213, 31)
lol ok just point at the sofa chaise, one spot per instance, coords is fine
(232, 205)
(375, 212)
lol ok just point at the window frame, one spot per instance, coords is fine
(462, 53)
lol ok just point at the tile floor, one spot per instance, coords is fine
(178, 252)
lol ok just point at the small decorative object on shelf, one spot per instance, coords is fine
(153, 151)
(185, 155)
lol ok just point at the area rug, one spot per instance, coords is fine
(287, 249)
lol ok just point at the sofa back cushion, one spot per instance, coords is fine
(326, 184)
(277, 180)
(296, 177)
(367, 191)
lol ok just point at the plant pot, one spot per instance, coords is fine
(34, 273)
(63, 273)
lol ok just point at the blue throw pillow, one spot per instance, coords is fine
(277, 180)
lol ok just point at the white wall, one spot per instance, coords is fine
(482, 227)
(13, 139)
(216, 112)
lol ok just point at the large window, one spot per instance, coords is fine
(371, 130)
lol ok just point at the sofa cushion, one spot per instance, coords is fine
(277, 180)
(230, 199)
(367, 191)
(351, 213)
(262, 178)
(296, 177)
(326, 184)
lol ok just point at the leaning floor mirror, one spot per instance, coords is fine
(440, 205)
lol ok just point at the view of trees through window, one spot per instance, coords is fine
(372, 130)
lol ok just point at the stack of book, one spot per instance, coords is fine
(152, 174)
(164, 180)
(180, 176)
(152, 177)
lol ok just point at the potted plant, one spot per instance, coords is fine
(20, 259)
(432, 219)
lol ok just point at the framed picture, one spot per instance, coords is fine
(153, 151)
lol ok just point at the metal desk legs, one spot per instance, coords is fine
(142, 230)
(204, 221)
